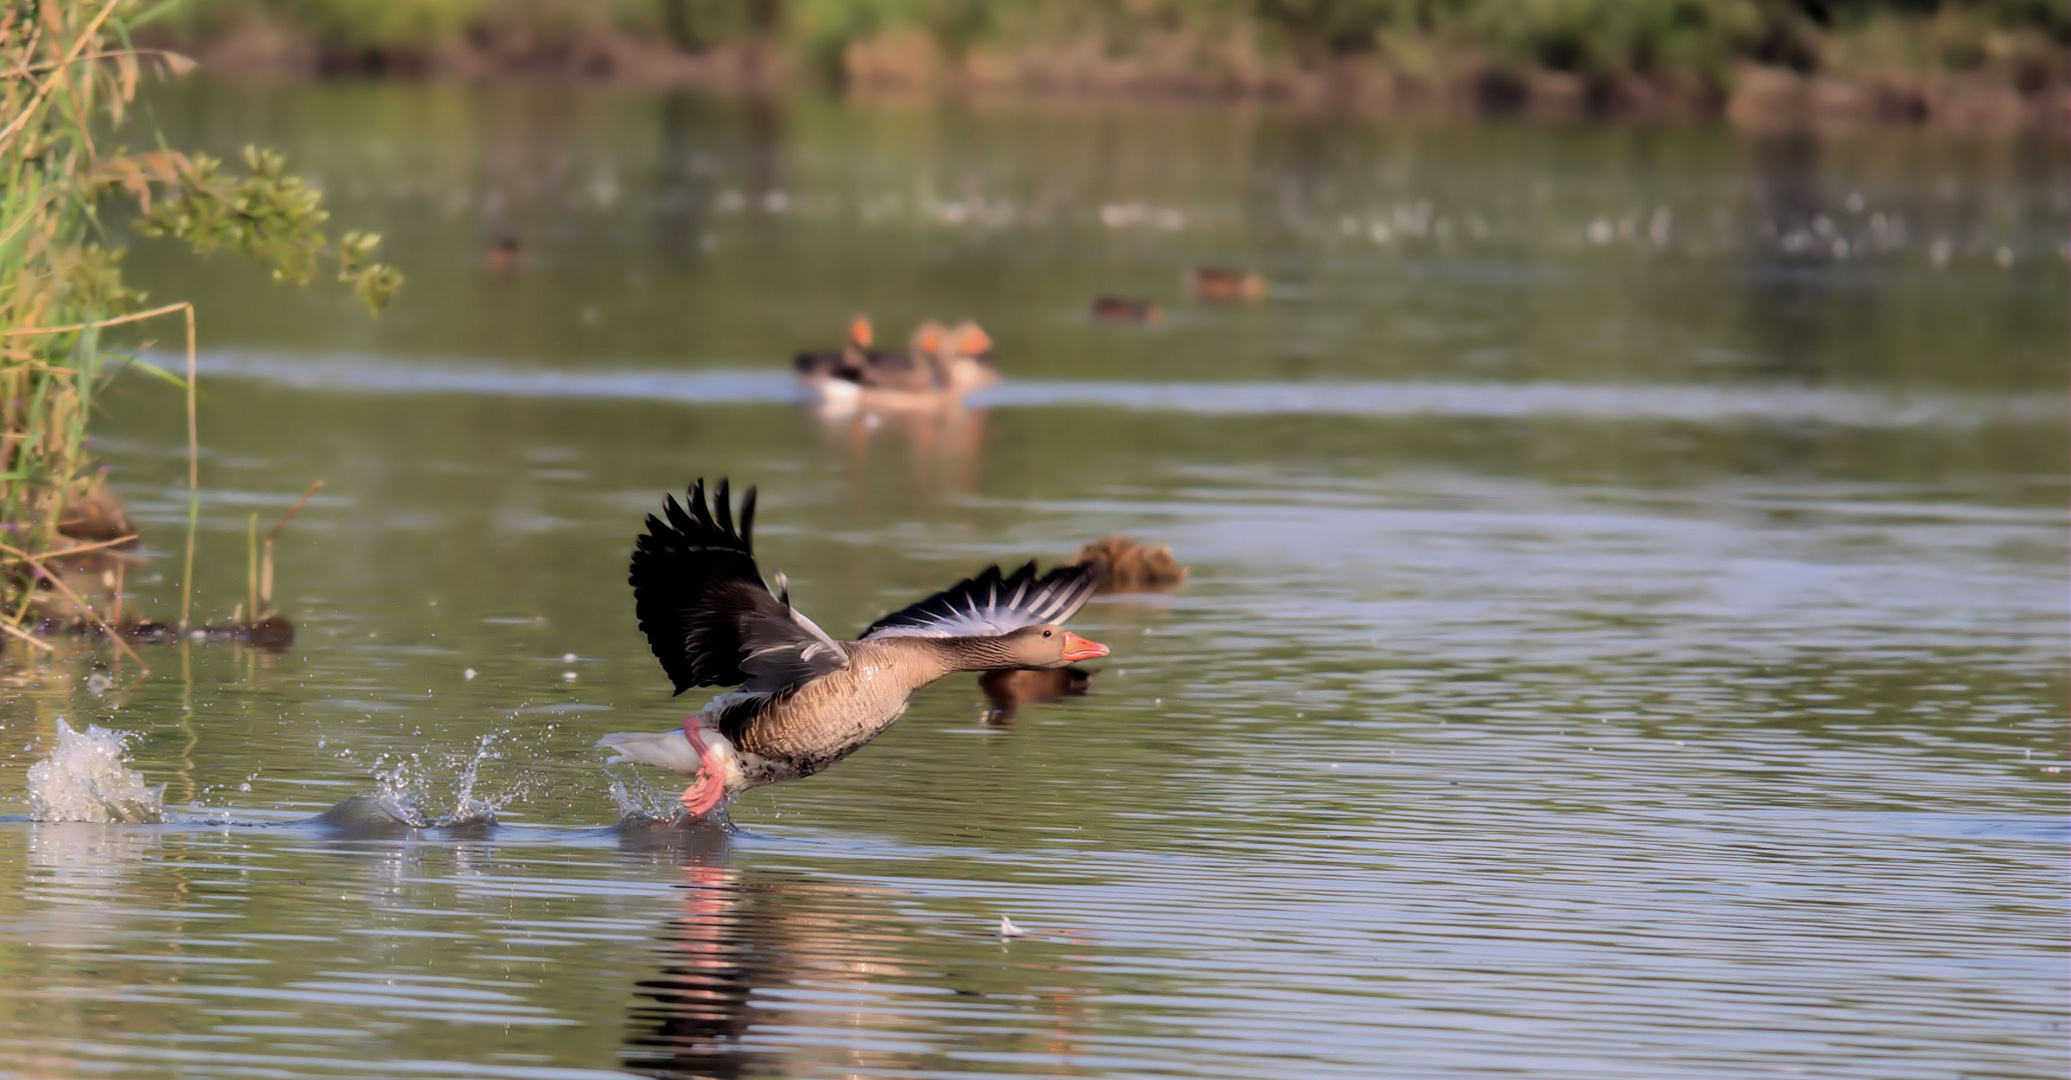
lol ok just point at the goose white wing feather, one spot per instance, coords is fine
(990, 604)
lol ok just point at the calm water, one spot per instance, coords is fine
(1626, 635)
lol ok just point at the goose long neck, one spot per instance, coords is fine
(969, 654)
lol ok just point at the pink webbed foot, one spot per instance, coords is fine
(709, 789)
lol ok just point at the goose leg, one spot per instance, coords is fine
(709, 789)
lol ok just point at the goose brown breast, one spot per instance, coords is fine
(833, 716)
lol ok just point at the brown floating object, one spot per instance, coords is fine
(1226, 283)
(1122, 309)
(1007, 691)
(1132, 566)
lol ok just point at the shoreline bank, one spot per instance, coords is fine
(911, 65)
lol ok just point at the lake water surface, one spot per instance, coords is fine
(1626, 632)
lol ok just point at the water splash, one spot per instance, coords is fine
(85, 779)
(406, 792)
(643, 804)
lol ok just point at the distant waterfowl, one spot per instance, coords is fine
(1132, 566)
(939, 367)
(506, 255)
(1224, 283)
(804, 700)
(915, 371)
(965, 359)
(1122, 309)
(814, 369)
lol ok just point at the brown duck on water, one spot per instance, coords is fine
(1131, 565)
(1123, 309)
(804, 700)
(1226, 283)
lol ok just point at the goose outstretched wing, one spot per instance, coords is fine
(705, 610)
(989, 605)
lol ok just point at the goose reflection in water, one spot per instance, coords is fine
(1007, 691)
(942, 445)
(748, 944)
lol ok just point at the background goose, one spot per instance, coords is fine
(965, 359)
(814, 369)
(804, 700)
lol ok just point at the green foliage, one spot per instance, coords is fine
(266, 215)
(1321, 29)
(60, 274)
(1613, 37)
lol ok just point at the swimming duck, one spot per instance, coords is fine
(1123, 309)
(506, 256)
(1223, 283)
(1132, 566)
(804, 700)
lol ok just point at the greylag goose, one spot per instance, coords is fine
(804, 700)
(815, 368)
(914, 379)
(914, 371)
(965, 360)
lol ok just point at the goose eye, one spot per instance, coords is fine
(1046, 633)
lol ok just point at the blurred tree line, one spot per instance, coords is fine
(2021, 42)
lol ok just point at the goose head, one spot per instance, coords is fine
(1041, 646)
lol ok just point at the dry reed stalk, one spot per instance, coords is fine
(266, 557)
(251, 568)
(193, 481)
(66, 591)
(193, 431)
(24, 635)
(86, 37)
(80, 550)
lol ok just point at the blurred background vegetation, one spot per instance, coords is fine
(1906, 59)
(1910, 59)
(72, 78)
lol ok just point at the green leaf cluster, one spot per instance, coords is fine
(73, 72)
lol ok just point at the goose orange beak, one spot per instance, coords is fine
(1077, 648)
(859, 332)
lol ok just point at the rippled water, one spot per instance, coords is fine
(1625, 635)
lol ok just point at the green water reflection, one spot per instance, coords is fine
(1624, 637)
